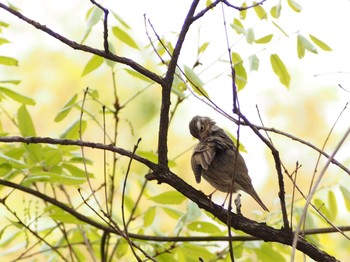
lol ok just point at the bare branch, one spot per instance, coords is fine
(102, 53)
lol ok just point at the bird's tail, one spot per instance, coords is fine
(258, 200)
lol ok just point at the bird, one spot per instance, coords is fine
(217, 160)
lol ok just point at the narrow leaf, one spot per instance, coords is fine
(169, 198)
(253, 63)
(241, 76)
(14, 82)
(280, 69)
(320, 43)
(204, 227)
(149, 216)
(276, 11)
(295, 6)
(63, 216)
(306, 44)
(346, 196)
(195, 81)
(264, 40)
(133, 73)
(3, 41)
(121, 20)
(93, 16)
(300, 48)
(66, 109)
(8, 61)
(25, 100)
(249, 35)
(25, 123)
(92, 65)
(332, 203)
(124, 37)
(237, 26)
(203, 47)
(73, 131)
(260, 12)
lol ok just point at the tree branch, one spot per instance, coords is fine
(238, 222)
(166, 89)
(102, 53)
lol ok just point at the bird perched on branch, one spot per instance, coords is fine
(217, 159)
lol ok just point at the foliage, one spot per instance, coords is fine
(68, 199)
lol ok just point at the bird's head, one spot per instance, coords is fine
(200, 127)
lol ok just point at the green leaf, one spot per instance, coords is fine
(249, 35)
(264, 40)
(5, 168)
(66, 109)
(76, 171)
(236, 58)
(266, 253)
(13, 161)
(72, 132)
(25, 123)
(16, 96)
(279, 28)
(295, 6)
(122, 248)
(149, 216)
(276, 11)
(49, 177)
(52, 157)
(319, 204)
(14, 82)
(169, 198)
(237, 26)
(260, 12)
(92, 65)
(243, 13)
(204, 227)
(121, 20)
(173, 213)
(195, 81)
(3, 41)
(93, 16)
(8, 61)
(253, 63)
(61, 215)
(332, 203)
(135, 74)
(302, 44)
(203, 47)
(241, 76)
(346, 196)
(124, 37)
(280, 69)
(3, 24)
(320, 43)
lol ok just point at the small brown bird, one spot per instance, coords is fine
(214, 158)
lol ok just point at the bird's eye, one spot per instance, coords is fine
(201, 128)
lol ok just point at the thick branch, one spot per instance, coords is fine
(166, 89)
(54, 141)
(102, 53)
(238, 222)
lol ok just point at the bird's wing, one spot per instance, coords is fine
(202, 157)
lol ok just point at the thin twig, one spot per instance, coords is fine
(123, 201)
(105, 25)
(310, 196)
(102, 53)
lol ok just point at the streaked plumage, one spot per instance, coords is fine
(214, 159)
